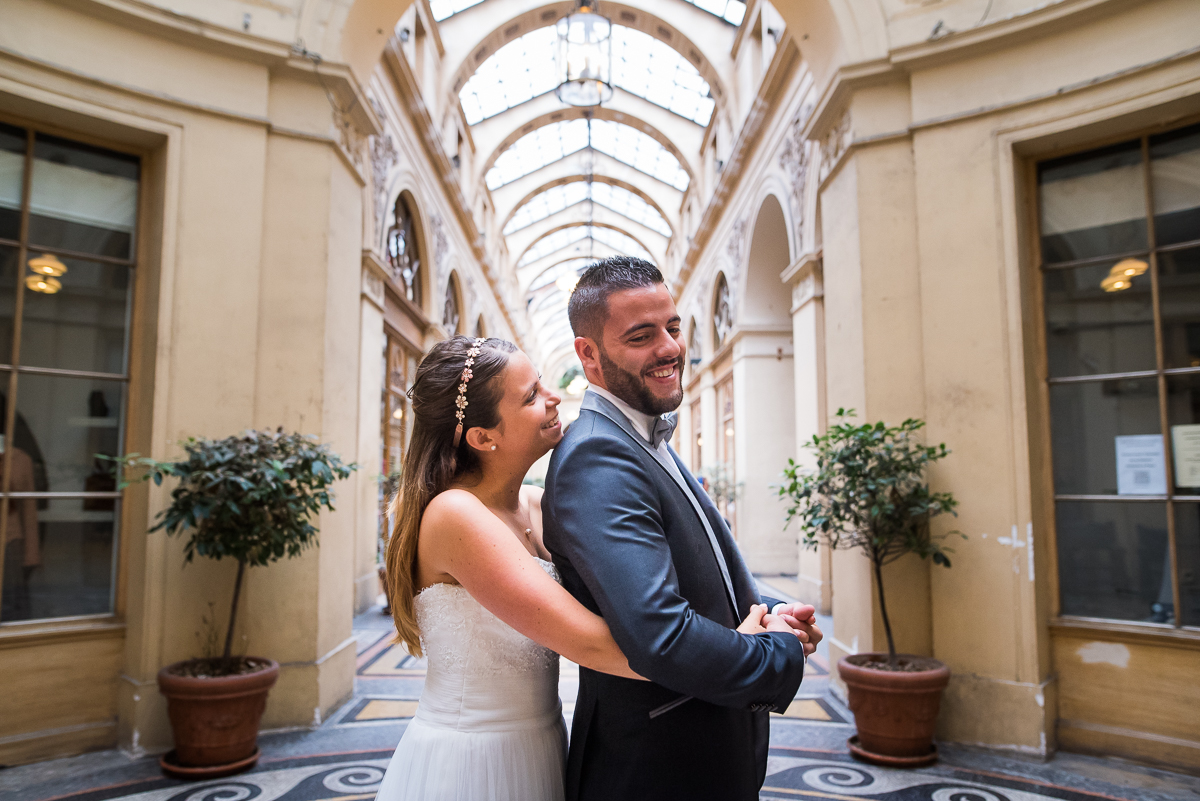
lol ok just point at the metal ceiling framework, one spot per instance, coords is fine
(576, 185)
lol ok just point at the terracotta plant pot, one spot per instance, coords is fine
(215, 720)
(895, 711)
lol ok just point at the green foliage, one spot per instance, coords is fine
(720, 485)
(249, 497)
(573, 372)
(868, 491)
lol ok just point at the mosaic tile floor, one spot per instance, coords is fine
(343, 759)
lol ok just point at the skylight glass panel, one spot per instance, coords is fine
(630, 204)
(732, 11)
(655, 71)
(448, 8)
(642, 65)
(639, 150)
(622, 242)
(552, 274)
(536, 149)
(558, 140)
(547, 204)
(553, 242)
(615, 198)
(579, 234)
(514, 74)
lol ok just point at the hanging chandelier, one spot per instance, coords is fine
(584, 56)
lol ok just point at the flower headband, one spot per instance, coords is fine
(461, 400)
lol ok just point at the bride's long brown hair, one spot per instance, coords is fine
(432, 463)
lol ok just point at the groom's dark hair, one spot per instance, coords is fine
(588, 307)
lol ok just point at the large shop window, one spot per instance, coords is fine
(1120, 264)
(68, 215)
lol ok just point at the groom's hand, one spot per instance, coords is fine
(802, 618)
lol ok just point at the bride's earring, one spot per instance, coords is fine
(493, 447)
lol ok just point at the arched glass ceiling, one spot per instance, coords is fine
(732, 11)
(578, 235)
(552, 274)
(616, 198)
(642, 65)
(558, 140)
(448, 8)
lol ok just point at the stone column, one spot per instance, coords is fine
(808, 336)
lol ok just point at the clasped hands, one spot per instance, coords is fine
(797, 619)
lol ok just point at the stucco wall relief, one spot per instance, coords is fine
(834, 145)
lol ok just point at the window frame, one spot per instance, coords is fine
(124, 516)
(1042, 457)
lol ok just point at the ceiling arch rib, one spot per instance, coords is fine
(495, 133)
(623, 198)
(560, 238)
(731, 11)
(644, 66)
(550, 143)
(583, 213)
(579, 167)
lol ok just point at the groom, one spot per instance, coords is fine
(637, 541)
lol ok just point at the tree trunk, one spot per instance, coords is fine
(237, 591)
(887, 625)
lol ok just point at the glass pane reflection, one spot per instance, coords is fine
(8, 290)
(1175, 170)
(1187, 550)
(1111, 559)
(69, 421)
(83, 198)
(1086, 419)
(1093, 204)
(1179, 301)
(62, 564)
(12, 168)
(81, 326)
(1090, 330)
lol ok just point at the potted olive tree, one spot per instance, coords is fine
(868, 491)
(250, 498)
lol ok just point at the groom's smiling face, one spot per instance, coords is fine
(639, 357)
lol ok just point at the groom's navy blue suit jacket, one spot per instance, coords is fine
(632, 548)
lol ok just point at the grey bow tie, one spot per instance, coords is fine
(664, 427)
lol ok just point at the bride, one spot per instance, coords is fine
(474, 590)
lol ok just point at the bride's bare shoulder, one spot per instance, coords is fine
(452, 506)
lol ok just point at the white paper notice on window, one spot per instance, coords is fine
(1185, 448)
(1141, 465)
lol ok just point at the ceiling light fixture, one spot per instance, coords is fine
(584, 56)
(1121, 275)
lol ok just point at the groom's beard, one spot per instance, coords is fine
(633, 390)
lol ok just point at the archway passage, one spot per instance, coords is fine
(764, 421)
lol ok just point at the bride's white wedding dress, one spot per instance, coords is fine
(489, 726)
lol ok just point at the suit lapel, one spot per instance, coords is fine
(595, 403)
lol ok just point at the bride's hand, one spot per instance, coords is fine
(759, 621)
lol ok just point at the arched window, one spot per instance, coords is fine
(451, 314)
(722, 312)
(695, 348)
(403, 252)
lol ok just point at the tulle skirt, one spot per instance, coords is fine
(436, 763)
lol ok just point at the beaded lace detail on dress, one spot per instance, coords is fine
(458, 635)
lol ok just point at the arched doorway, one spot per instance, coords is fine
(764, 422)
